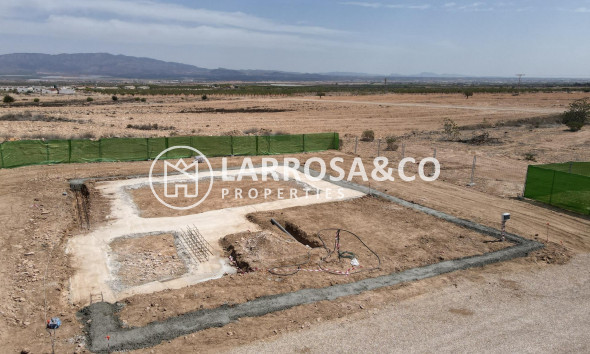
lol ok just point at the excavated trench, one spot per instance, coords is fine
(101, 318)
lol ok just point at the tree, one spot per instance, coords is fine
(468, 94)
(8, 99)
(577, 115)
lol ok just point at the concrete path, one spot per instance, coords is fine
(545, 310)
(90, 252)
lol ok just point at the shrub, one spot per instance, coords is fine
(89, 99)
(250, 131)
(148, 126)
(451, 129)
(8, 99)
(391, 143)
(204, 97)
(115, 98)
(577, 115)
(368, 135)
(530, 156)
(36, 100)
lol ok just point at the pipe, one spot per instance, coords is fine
(276, 223)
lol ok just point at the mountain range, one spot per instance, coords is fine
(104, 65)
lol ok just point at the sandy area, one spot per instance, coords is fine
(543, 310)
(391, 114)
(145, 259)
(38, 220)
(224, 194)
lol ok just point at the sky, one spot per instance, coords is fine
(538, 38)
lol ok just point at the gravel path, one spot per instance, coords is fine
(544, 310)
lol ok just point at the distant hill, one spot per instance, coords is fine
(128, 67)
(93, 64)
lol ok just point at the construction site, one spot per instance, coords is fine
(87, 240)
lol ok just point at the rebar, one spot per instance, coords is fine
(195, 244)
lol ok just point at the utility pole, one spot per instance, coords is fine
(519, 79)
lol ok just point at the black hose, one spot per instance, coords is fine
(323, 259)
(330, 252)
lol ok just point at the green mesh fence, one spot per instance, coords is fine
(565, 185)
(37, 152)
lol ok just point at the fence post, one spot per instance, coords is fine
(525, 179)
(303, 137)
(552, 184)
(356, 143)
(378, 147)
(471, 183)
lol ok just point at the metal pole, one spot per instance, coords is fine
(356, 143)
(471, 183)
(433, 167)
(378, 147)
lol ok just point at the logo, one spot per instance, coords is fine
(181, 180)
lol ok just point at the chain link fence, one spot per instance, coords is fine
(497, 175)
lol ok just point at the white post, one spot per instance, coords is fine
(471, 183)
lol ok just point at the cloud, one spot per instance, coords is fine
(363, 4)
(151, 11)
(377, 5)
(470, 7)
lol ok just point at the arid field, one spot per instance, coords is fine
(40, 218)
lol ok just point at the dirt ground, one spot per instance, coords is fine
(37, 218)
(224, 194)
(392, 114)
(402, 238)
(144, 259)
